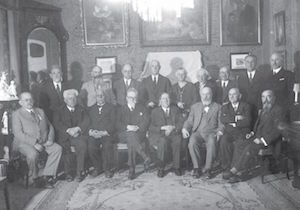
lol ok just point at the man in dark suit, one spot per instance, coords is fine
(165, 130)
(206, 127)
(236, 118)
(34, 134)
(121, 86)
(154, 85)
(223, 85)
(205, 80)
(71, 122)
(132, 125)
(101, 132)
(51, 95)
(251, 84)
(265, 134)
(281, 82)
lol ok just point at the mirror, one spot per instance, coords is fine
(43, 50)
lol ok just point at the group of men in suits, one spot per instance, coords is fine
(214, 115)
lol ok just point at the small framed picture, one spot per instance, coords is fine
(237, 61)
(108, 64)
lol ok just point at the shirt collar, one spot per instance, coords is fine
(252, 72)
(70, 108)
(235, 105)
(125, 80)
(57, 83)
(277, 70)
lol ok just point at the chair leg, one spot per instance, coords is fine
(6, 196)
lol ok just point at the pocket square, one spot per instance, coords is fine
(281, 79)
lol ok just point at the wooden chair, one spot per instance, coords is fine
(268, 153)
(3, 182)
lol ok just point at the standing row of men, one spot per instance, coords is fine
(80, 132)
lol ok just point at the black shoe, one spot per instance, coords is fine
(48, 185)
(147, 164)
(79, 178)
(208, 174)
(94, 173)
(131, 174)
(227, 175)
(69, 178)
(160, 173)
(234, 179)
(196, 173)
(177, 172)
(109, 174)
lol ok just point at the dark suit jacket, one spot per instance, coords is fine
(228, 116)
(120, 90)
(152, 92)
(210, 83)
(62, 121)
(49, 100)
(266, 124)
(139, 116)
(282, 84)
(213, 124)
(159, 119)
(251, 92)
(104, 121)
(222, 93)
(189, 95)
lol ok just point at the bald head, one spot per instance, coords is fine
(276, 60)
(224, 73)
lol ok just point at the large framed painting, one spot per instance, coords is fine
(105, 23)
(240, 22)
(191, 28)
(279, 28)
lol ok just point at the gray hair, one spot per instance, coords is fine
(70, 92)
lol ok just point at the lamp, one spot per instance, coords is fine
(151, 10)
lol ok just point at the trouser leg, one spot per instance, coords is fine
(176, 149)
(194, 148)
(210, 151)
(31, 157)
(95, 153)
(80, 145)
(226, 151)
(107, 153)
(54, 154)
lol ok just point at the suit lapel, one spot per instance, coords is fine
(210, 111)
(199, 116)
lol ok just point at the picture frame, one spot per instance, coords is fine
(237, 61)
(108, 64)
(279, 28)
(105, 23)
(240, 22)
(191, 28)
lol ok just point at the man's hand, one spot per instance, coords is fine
(219, 134)
(133, 128)
(185, 133)
(239, 117)
(151, 104)
(169, 129)
(257, 141)
(180, 105)
(74, 132)
(48, 143)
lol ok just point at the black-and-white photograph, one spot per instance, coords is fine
(149, 104)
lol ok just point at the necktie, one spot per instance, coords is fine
(223, 84)
(57, 89)
(100, 109)
(127, 84)
(154, 80)
(167, 112)
(250, 77)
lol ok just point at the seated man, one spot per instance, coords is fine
(265, 133)
(33, 133)
(204, 122)
(164, 130)
(132, 125)
(71, 123)
(236, 117)
(101, 130)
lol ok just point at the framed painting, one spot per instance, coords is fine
(240, 22)
(108, 64)
(237, 61)
(191, 28)
(279, 28)
(105, 23)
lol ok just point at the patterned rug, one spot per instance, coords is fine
(148, 191)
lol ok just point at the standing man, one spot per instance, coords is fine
(251, 84)
(51, 95)
(281, 82)
(154, 86)
(121, 86)
(101, 132)
(204, 80)
(34, 134)
(164, 130)
(236, 118)
(265, 134)
(132, 125)
(205, 127)
(71, 122)
(89, 89)
(224, 84)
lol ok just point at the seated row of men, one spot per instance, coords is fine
(80, 132)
